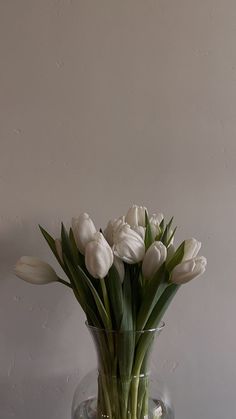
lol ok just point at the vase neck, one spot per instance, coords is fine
(123, 379)
(123, 354)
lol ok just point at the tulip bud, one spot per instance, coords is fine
(153, 259)
(191, 249)
(59, 250)
(155, 221)
(136, 216)
(84, 230)
(119, 265)
(140, 230)
(128, 245)
(111, 228)
(188, 270)
(35, 271)
(98, 256)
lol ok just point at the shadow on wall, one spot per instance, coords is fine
(44, 347)
(52, 396)
(45, 353)
(16, 239)
(22, 237)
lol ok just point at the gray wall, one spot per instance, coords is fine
(104, 104)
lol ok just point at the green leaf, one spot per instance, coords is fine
(126, 343)
(50, 241)
(162, 224)
(70, 254)
(162, 306)
(171, 237)
(127, 318)
(161, 230)
(153, 290)
(146, 339)
(136, 291)
(92, 318)
(83, 293)
(76, 285)
(99, 304)
(115, 293)
(66, 245)
(79, 259)
(165, 235)
(76, 254)
(177, 258)
(148, 234)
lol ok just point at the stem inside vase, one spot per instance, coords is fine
(123, 372)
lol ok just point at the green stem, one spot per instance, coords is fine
(106, 301)
(64, 282)
(134, 397)
(104, 394)
(141, 351)
(142, 409)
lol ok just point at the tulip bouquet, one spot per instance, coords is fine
(124, 278)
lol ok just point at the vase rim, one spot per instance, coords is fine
(101, 329)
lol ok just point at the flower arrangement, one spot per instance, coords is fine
(124, 279)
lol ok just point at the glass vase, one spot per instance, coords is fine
(122, 387)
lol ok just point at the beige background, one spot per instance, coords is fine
(103, 104)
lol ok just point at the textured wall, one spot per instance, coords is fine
(103, 104)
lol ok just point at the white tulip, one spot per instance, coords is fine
(188, 270)
(136, 216)
(140, 230)
(155, 221)
(153, 259)
(191, 248)
(98, 256)
(35, 271)
(156, 218)
(111, 228)
(119, 265)
(59, 250)
(84, 230)
(128, 245)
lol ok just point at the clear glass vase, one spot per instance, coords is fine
(122, 387)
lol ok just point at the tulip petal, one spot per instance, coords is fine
(98, 256)
(188, 270)
(34, 270)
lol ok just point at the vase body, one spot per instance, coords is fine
(122, 387)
